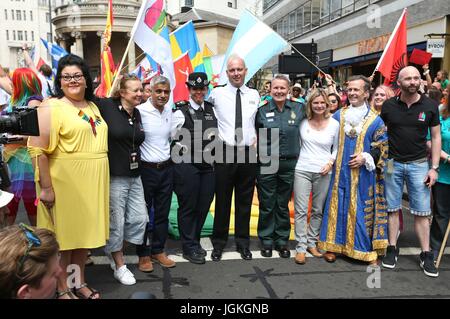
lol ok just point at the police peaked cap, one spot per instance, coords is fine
(197, 80)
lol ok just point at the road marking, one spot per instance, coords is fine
(232, 255)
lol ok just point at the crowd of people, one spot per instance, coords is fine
(103, 171)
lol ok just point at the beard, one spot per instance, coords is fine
(410, 89)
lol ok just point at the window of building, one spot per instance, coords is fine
(335, 9)
(31, 15)
(285, 27)
(315, 18)
(325, 6)
(292, 22)
(26, 35)
(275, 27)
(7, 35)
(6, 14)
(299, 13)
(361, 4)
(20, 35)
(32, 35)
(12, 14)
(189, 3)
(307, 16)
(18, 15)
(47, 17)
(14, 35)
(347, 7)
(24, 15)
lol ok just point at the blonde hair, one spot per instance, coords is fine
(13, 247)
(387, 90)
(315, 94)
(123, 84)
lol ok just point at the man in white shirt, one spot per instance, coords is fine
(235, 106)
(156, 173)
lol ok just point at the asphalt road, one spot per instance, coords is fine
(274, 278)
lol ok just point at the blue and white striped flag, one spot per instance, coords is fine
(56, 52)
(255, 42)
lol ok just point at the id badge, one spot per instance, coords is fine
(134, 160)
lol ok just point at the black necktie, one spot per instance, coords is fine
(238, 119)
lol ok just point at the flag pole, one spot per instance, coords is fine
(314, 65)
(444, 243)
(130, 42)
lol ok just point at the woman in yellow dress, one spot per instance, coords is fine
(72, 173)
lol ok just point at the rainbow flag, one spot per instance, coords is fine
(184, 40)
(107, 62)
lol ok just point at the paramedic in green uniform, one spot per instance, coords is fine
(280, 115)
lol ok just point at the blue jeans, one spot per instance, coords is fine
(414, 175)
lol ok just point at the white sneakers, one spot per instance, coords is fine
(124, 276)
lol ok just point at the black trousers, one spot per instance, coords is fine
(441, 215)
(241, 178)
(158, 186)
(195, 191)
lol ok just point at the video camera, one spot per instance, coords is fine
(21, 121)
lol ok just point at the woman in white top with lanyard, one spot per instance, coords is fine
(318, 140)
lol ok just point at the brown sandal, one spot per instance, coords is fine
(92, 294)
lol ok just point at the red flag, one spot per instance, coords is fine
(40, 63)
(394, 57)
(182, 68)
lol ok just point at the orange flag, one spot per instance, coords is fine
(182, 68)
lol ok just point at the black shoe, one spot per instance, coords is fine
(266, 252)
(246, 254)
(194, 257)
(216, 255)
(284, 252)
(426, 259)
(201, 251)
(390, 259)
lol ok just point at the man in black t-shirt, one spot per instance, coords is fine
(408, 118)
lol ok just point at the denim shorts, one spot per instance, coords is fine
(128, 212)
(414, 175)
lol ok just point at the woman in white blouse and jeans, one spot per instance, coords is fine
(318, 139)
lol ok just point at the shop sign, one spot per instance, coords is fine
(436, 47)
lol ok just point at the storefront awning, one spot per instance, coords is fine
(376, 55)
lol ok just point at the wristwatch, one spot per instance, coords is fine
(436, 168)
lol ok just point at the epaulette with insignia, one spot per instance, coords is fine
(179, 105)
(263, 102)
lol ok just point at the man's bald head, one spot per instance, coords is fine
(409, 80)
(408, 71)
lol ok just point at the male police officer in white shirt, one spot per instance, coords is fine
(235, 106)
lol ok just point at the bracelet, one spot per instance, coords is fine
(48, 187)
(426, 72)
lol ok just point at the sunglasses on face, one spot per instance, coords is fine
(33, 241)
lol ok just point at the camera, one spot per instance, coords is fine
(21, 121)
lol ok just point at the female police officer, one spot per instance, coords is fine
(194, 177)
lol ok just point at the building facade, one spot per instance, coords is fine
(229, 8)
(24, 22)
(351, 34)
